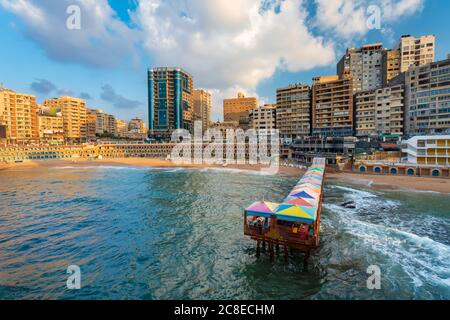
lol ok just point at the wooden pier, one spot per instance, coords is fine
(293, 224)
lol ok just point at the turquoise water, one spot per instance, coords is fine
(140, 233)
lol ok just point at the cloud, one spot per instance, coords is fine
(85, 96)
(102, 41)
(224, 47)
(348, 18)
(108, 94)
(43, 86)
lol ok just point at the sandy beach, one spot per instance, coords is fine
(366, 180)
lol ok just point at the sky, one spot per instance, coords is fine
(253, 46)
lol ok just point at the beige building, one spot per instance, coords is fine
(91, 124)
(224, 126)
(293, 114)
(51, 128)
(237, 108)
(137, 125)
(416, 51)
(18, 113)
(391, 65)
(380, 112)
(122, 127)
(428, 99)
(202, 108)
(263, 119)
(332, 106)
(74, 116)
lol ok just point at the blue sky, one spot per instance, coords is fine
(264, 45)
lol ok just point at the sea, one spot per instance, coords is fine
(175, 233)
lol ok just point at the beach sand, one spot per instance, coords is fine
(367, 180)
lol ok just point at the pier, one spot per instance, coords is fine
(295, 223)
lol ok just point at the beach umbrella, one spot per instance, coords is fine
(302, 194)
(263, 209)
(300, 202)
(294, 213)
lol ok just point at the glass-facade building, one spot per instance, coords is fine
(170, 100)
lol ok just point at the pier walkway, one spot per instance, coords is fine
(293, 224)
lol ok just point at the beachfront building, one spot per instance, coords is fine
(18, 116)
(364, 65)
(91, 124)
(51, 128)
(391, 64)
(170, 101)
(428, 150)
(73, 111)
(122, 128)
(236, 108)
(380, 112)
(428, 99)
(263, 119)
(332, 106)
(293, 113)
(416, 51)
(202, 108)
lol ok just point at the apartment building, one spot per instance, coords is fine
(332, 106)
(18, 116)
(428, 150)
(170, 100)
(293, 113)
(91, 124)
(137, 125)
(380, 112)
(263, 119)
(364, 65)
(202, 108)
(391, 64)
(416, 51)
(122, 127)
(74, 115)
(236, 108)
(51, 128)
(428, 99)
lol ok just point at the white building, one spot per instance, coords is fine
(263, 119)
(428, 150)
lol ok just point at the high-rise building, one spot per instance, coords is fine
(391, 65)
(122, 128)
(73, 111)
(202, 108)
(91, 124)
(364, 65)
(18, 113)
(236, 108)
(263, 119)
(293, 117)
(51, 128)
(416, 51)
(428, 150)
(170, 100)
(380, 112)
(428, 99)
(137, 125)
(332, 106)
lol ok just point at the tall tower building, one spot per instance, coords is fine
(293, 114)
(202, 108)
(416, 51)
(236, 108)
(364, 65)
(74, 115)
(391, 65)
(170, 100)
(19, 115)
(332, 106)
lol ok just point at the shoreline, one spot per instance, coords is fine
(380, 182)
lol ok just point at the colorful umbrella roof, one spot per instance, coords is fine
(302, 203)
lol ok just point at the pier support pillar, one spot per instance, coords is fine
(258, 248)
(286, 254)
(272, 253)
(305, 260)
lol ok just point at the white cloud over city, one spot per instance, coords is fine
(227, 45)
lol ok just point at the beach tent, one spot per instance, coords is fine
(290, 212)
(262, 209)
